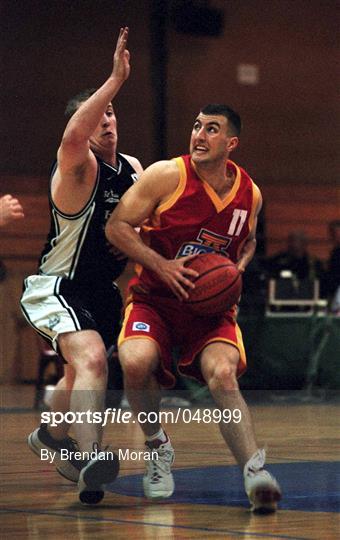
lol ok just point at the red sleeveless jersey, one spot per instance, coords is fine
(195, 220)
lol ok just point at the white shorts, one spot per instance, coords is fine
(53, 305)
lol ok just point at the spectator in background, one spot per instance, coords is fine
(333, 273)
(296, 259)
(10, 210)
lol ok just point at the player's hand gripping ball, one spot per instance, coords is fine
(218, 286)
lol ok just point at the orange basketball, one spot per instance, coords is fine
(218, 286)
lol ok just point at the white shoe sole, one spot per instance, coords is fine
(64, 467)
(159, 494)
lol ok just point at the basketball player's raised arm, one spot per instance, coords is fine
(74, 155)
(249, 246)
(155, 186)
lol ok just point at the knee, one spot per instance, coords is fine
(137, 368)
(95, 363)
(222, 377)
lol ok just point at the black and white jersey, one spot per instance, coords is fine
(76, 246)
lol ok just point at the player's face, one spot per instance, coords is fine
(105, 134)
(210, 139)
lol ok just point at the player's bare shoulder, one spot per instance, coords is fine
(160, 180)
(170, 178)
(166, 167)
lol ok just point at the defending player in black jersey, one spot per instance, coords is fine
(73, 300)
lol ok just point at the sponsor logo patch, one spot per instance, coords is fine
(206, 242)
(53, 321)
(141, 326)
(193, 248)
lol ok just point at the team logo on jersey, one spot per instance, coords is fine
(141, 326)
(206, 242)
(111, 197)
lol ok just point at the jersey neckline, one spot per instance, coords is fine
(220, 204)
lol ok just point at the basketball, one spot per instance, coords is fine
(218, 286)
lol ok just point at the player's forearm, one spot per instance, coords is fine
(247, 254)
(126, 239)
(86, 118)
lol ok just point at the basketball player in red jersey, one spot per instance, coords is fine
(196, 203)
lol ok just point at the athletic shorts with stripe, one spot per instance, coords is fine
(171, 325)
(53, 305)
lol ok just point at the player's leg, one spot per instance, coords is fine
(49, 316)
(139, 359)
(219, 361)
(60, 401)
(143, 340)
(55, 439)
(81, 391)
(219, 367)
(86, 354)
(58, 313)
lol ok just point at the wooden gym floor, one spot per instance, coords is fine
(303, 442)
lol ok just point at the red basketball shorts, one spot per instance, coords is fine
(172, 327)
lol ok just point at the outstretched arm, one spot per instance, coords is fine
(156, 184)
(77, 165)
(74, 149)
(10, 210)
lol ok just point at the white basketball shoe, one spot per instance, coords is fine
(261, 487)
(158, 482)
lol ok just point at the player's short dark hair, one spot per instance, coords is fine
(74, 102)
(234, 119)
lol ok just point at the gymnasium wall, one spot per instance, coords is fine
(291, 115)
(52, 50)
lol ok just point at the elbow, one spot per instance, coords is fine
(109, 232)
(73, 138)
